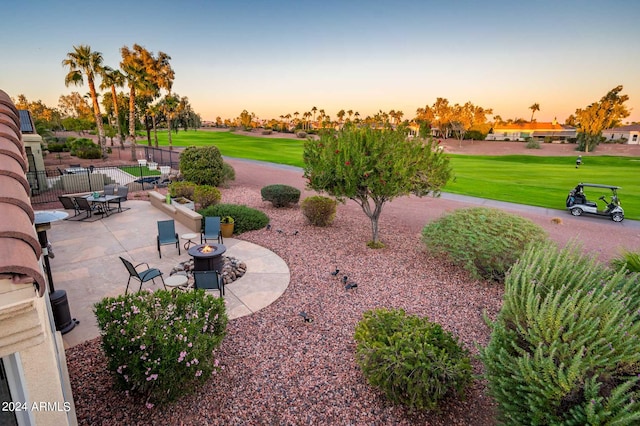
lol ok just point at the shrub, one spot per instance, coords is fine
(301, 134)
(476, 135)
(280, 195)
(246, 218)
(627, 261)
(485, 241)
(228, 174)
(206, 195)
(266, 132)
(413, 361)
(202, 165)
(564, 347)
(319, 210)
(182, 189)
(160, 344)
(56, 147)
(532, 144)
(84, 148)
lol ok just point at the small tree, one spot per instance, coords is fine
(373, 166)
(202, 165)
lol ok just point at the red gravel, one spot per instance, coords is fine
(280, 370)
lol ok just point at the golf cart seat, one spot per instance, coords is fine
(591, 204)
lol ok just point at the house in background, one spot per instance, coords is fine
(631, 133)
(33, 368)
(534, 130)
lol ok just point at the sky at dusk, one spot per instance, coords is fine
(276, 58)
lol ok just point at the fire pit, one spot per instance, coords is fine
(207, 257)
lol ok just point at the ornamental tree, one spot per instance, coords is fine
(373, 166)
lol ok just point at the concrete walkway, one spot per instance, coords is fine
(87, 265)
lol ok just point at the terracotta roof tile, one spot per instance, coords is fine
(19, 247)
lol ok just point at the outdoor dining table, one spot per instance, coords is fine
(103, 202)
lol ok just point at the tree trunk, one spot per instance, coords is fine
(372, 215)
(132, 121)
(96, 111)
(155, 130)
(148, 129)
(117, 112)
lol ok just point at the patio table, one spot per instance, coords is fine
(103, 202)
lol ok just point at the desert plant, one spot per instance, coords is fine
(160, 344)
(319, 210)
(228, 174)
(227, 219)
(628, 261)
(564, 347)
(182, 189)
(206, 195)
(202, 165)
(413, 361)
(246, 218)
(532, 144)
(301, 134)
(267, 132)
(280, 195)
(485, 241)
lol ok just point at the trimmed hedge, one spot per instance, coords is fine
(319, 210)
(202, 165)
(206, 195)
(280, 195)
(245, 218)
(484, 241)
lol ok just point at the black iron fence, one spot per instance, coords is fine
(163, 157)
(47, 186)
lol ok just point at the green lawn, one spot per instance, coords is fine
(136, 170)
(522, 179)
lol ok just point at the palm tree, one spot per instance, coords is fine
(110, 80)
(313, 110)
(535, 107)
(83, 62)
(164, 75)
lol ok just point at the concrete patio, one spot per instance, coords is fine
(87, 267)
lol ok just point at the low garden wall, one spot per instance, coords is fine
(187, 217)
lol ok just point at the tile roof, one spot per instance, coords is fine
(19, 247)
(530, 126)
(628, 128)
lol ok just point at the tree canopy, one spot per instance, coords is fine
(373, 166)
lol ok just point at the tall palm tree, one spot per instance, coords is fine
(164, 76)
(535, 107)
(111, 79)
(83, 62)
(313, 110)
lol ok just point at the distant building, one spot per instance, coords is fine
(631, 133)
(535, 130)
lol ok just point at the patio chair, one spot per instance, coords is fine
(208, 280)
(84, 206)
(123, 191)
(167, 235)
(109, 189)
(149, 274)
(211, 230)
(69, 204)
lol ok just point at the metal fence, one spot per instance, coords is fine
(163, 157)
(47, 186)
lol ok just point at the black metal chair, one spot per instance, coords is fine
(167, 235)
(149, 274)
(208, 280)
(69, 204)
(84, 206)
(123, 191)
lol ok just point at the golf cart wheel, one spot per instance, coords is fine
(617, 217)
(576, 212)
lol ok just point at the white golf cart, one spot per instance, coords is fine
(578, 204)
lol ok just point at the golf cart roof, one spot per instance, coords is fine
(597, 185)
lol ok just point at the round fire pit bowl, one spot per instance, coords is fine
(207, 257)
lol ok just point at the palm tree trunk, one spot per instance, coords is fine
(155, 130)
(117, 112)
(96, 111)
(132, 121)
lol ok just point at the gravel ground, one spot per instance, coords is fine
(280, 370)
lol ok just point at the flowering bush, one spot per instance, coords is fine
(161, 344)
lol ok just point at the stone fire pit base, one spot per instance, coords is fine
(231, 271)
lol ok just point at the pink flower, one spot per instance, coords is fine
(198, 373)
(347, 163)
(149, 405)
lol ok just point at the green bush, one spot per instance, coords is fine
(301, 134)
(246, 218)
(476, 135)
(319, 210)
(280, 195)
(160, 344)
(486, 242)
(206, 195)
(413, 361)
(228, 174)
(84, 148)
(628, 261)
(564, 347)
(202, 165)
(532, 144)
(182, 189)
(56, 147)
